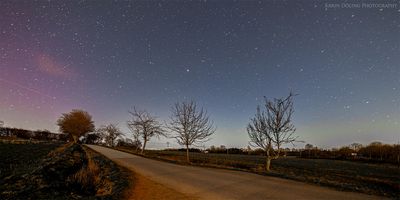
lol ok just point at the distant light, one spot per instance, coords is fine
(187, 70)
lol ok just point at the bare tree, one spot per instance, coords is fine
(272, 128)
(191, 125)
(144, 125)
(76, 123)
(110, 133)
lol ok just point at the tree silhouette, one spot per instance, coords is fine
(191, 125)
(145, 126)
(110, 133)
(75, 123)
(92, 138)
(272, 128)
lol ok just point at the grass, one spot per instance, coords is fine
(377, 179)
(51, 171)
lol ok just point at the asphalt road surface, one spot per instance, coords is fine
(209, 183)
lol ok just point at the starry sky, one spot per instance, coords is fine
(107, 56)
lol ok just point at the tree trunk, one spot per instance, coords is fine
(268, 164)
(144, 146)
(268, 159)
(75, 138)
(187, 154)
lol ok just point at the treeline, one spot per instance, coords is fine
(373, 152)
(245, 151)
(96, 137)
(110, 139)
(43, 135)
(224, 150)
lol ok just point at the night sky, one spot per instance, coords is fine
(107, 56)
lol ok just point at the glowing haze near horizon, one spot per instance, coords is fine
(107, 56)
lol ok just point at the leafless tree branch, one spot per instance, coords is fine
(144, 125)
(190, 125)
(273, 127)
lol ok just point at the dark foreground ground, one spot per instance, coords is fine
(375, 179)
(55, 171)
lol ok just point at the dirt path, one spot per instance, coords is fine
(207, 183)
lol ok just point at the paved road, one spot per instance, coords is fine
(208, 183)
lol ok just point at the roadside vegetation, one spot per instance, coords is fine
(55, 171)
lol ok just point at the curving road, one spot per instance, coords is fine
(208, 183)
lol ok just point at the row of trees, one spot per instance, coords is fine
(244, 151)
(79, 123)
(270, 128)
(375, 152)
(188, 125)
(43, 135)
(109, 135)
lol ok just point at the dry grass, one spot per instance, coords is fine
(69, 172)
(86, 176)
(89, 178)
(60, 149)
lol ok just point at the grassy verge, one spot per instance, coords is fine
(377, 179)
(68, 172)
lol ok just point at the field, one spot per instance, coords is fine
(55, 171)
(378, 179)
(18, 159)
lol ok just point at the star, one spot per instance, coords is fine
(151, 54)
